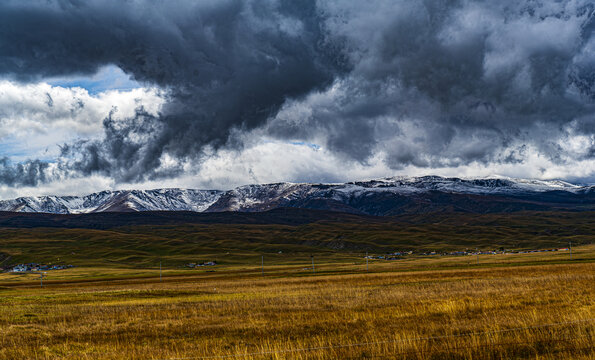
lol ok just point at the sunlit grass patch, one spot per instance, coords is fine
(395, 310)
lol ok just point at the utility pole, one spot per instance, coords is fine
(160, 276)
(476, 256)
(262, 264)
(366, 261)
(41, 278)
(313, 269)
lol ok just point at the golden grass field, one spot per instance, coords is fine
(531, 306)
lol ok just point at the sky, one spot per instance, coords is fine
(110, 94)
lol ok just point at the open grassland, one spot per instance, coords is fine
(347, 236)
(534, 306)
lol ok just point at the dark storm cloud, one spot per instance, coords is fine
(28, 173)
(447, 83)
(426, 83)
(225, 65)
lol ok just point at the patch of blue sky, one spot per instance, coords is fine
(109, 77)
(17, 151)
(303, 143)
(296, 143)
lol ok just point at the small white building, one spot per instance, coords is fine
(19, 268)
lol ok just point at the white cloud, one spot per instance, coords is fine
(36, 117)
(276, 161)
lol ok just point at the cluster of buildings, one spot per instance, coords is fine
(36, 267)
(535, 251)
(499, 252)
(206, 263)
(390, 256)
(399, 254)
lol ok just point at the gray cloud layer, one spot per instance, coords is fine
(427, 84)
(444, 85)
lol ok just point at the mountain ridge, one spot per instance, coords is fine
(385, 196)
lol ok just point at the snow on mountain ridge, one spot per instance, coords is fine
(120, 200)
(268, 196)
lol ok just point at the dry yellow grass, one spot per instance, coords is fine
(537, 312)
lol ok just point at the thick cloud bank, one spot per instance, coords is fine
(407, 84)
(433, 85)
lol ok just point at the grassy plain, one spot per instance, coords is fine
(141, 246)
(525, 306)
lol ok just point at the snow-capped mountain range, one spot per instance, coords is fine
(387, 196)
(121, 200)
